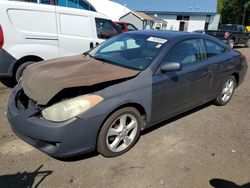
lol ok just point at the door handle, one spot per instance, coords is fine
(91, 45)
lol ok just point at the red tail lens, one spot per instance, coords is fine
(243, 58)
(226, 35)
(1, 37)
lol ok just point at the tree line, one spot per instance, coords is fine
(234, 11)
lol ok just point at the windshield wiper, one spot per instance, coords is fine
(87, 54)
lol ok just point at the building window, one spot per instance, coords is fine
(181, 17)
(208, 18)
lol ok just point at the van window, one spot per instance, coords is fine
(75, 25)
(45, 2)
(105, 28)
(79, 4)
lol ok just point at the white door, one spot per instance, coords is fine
(75, 31)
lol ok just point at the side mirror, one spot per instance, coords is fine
(170, 67)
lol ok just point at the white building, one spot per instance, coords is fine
(180, 15)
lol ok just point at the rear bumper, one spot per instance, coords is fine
(7, 62)
(60, 140)
(243, 72)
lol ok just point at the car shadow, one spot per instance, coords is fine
(168, 121)
(24, 179)
(79, 157)
(220, 183)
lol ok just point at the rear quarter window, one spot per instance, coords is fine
(214, 49)
(105, 28)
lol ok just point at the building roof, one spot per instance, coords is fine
(139, 15)
(144, 16)
(172, 6)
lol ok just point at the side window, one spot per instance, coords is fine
(45, 2)
(213, 49)
(187, 52)
(79, 4)
(122, 26)
(131, 27)
(105, 28)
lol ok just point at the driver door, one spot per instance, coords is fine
(175, 92)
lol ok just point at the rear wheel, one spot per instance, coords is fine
(21, 68)
(227, 92)
(120, 132)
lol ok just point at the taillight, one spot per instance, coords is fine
(226, 35)
(1, 37)
(243, 58)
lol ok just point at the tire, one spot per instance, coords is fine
(248, 43)
(9, 82)
(114, 138)
(231, 43)
(226, 92)
(20, 70)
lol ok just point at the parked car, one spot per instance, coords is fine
(103, 99)
(125, 27)
(31, 32)
(231, 34)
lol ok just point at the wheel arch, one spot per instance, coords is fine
(137, 106)
(24, 60)
(237, 77)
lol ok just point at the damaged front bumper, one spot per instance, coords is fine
(60, 140)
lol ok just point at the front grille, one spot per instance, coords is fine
(23, 101)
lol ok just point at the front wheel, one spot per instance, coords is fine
(227, 92)
(120, 132)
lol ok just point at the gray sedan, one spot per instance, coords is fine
(102, 100)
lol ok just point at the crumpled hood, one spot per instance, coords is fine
(42, 81)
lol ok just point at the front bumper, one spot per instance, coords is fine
(60, 140)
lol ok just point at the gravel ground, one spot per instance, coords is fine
(207, 147)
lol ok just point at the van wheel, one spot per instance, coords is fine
(226, 92)
(231, 43)
(120, 132)
(248, 43)
(20, 70)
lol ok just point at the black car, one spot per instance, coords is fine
(103, 99)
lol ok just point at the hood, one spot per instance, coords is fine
(42, 81)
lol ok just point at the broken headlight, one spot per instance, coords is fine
(68, 109)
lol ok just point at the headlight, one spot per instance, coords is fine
(68, 109)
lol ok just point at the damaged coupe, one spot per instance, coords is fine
(102, 99)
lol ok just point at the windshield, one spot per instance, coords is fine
(129, 50)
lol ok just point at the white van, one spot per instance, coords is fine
(31, 32)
